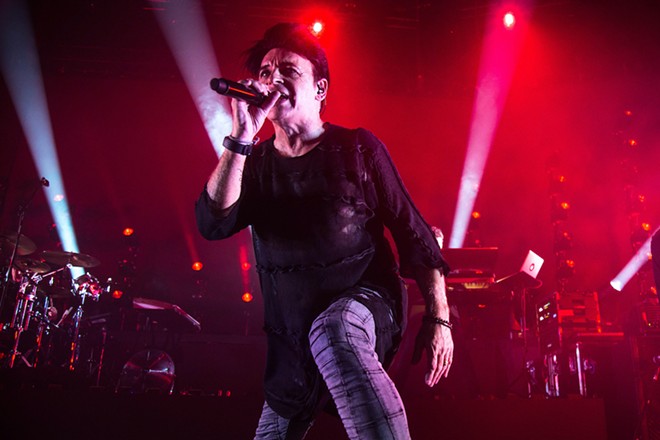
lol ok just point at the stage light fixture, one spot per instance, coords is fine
(557, 184)
(247, 297)
(317, 27)
(635, 203)
(509, 20)
(197, 266)
(563, 241)
(566, 269)
(245, 274)
(128, 232)
(559, 211)
(117, 294)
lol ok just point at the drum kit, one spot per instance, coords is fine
(35, 334)
(39, 281)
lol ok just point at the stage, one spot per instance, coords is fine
(99, 414)
(215, 392)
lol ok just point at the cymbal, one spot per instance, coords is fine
(32, 266)
(25, 245)
(72, 258)
(151, 304)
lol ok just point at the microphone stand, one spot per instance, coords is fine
(21, 216)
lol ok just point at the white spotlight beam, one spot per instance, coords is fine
(498, 58)
(22, 72)
(185, 30)
(642, 256)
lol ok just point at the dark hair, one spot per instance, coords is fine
(290, 36)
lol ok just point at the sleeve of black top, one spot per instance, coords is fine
(415, 242)
(213, 223)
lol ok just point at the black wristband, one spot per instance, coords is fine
(434, 320)
(238, 147)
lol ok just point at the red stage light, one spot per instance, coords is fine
(197, 266)
(476, 215)
(632, 142)
(509, 20)
(565, 206)
(117, 294)
(128, 232)
(646, 227)
(245, 265)
(320, 20)
(317, 28)
(247, 297)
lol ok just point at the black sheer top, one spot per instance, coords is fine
(318, 229)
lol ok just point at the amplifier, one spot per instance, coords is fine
(562, 316)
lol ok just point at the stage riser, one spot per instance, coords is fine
(85, 415)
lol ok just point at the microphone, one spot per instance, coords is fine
(237, 91)
(45, 182)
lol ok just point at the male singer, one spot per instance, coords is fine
(318, 197)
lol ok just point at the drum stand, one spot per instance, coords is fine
(24, 312)
(20, 320)
(75, 339)
(87, 285)
(42, 328)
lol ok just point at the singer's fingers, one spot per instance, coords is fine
(255, 85)
(271, 100)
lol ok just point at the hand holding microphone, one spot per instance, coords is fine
(247, 119)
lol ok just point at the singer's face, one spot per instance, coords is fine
(293, 76)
